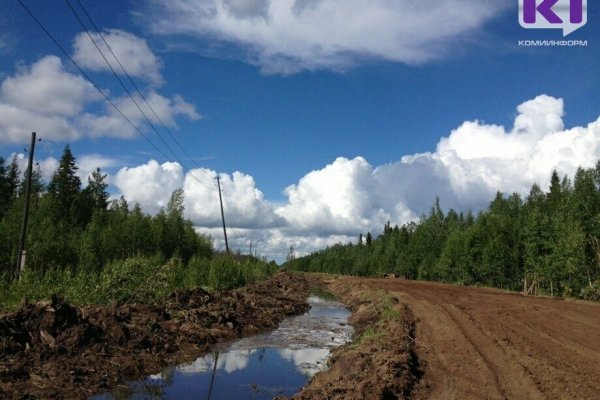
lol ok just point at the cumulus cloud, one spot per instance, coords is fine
(286, 36)
(337, 202)
(243, 202)
(133, 53)
(150, 185)
(43, 95)
(483, 159)
(336, 199)
(47, 95)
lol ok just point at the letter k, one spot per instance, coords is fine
(530, 9)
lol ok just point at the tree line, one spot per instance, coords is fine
(93, 250)
(78, 228)
(547, 243)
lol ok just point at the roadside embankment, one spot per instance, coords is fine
(52, 349)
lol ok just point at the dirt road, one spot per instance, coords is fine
(477, 343)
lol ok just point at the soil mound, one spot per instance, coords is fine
(52, 349)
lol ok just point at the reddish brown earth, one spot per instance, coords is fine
(53, 350)
(414, 340)
(464, 343)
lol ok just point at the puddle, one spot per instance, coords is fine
(278, 363)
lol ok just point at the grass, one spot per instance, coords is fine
(386, 311)
(138, 279)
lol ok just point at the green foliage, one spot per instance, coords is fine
(134, 279)
(548, 241)
(591, 292)
(138, 279)
(79, 288)
(80, 246)
(225, 273)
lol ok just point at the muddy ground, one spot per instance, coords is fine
(453, 342)
(53, 350)
(414, 340)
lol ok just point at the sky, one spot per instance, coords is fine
(324, 118)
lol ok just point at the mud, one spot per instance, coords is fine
(381, 362)
(52, 350)
(453, 342)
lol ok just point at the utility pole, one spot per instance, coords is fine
(222, 214)
(22, 254)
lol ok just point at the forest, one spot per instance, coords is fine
(82, 245)
(547, 243)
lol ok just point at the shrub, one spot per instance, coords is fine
(225, 273)
(195, 274)
(591, 292)
(135, 278)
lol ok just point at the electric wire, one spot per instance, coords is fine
(166, 129)
(147, 119)
(104, 95)
(86, 76)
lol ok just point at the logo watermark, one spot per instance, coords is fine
(552, 43)
(567, 15)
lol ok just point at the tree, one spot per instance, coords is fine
(9, 182)
(96, 190)
(64, 187)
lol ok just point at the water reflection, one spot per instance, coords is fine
(259, 367)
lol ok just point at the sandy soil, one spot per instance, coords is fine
(470, 343)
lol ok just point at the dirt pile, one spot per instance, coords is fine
(54, 350)
(381, 362)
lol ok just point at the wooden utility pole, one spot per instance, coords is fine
(22, 253)
(222, 214)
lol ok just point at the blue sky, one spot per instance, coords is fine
(323, 97)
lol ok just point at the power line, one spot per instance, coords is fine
(129, 92)
(182, 148)
(86, 76)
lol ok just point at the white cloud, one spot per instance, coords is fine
(336, 199)
(286, 36)
(150, 184)
(244, 203)
(482, 159)
(349, 196)
(112, 123)
(47, 89)
(88, 164)
(47, 95)
(167, 109)
(44, 95)
(133, 53)
(47, 166)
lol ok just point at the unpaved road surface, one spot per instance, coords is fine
(476, 343)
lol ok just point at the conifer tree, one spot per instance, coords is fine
(64, 187)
